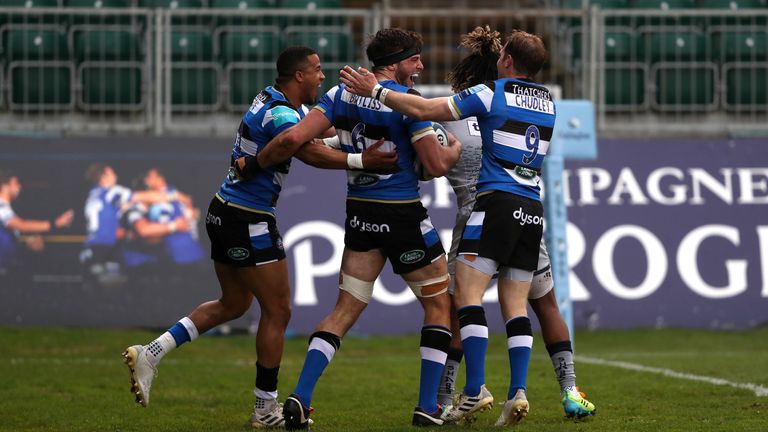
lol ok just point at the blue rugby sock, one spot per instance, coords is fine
(474, 341)
(519, 343)
(322, 348)
(433, 347)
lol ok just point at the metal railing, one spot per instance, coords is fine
(194, 71)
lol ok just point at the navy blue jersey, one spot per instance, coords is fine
(516, 118)
(270, 114)
(102, 214)
(359, 123)
(7, 236)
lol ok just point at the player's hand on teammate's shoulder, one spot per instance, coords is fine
(378, 161)
(360, 82)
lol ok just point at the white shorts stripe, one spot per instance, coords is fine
(433, 355)
(474, 330)
(255, 230)
(476, 218)
(519, 341)
(322, 346)
(426, 226)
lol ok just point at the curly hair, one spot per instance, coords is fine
(479, 66)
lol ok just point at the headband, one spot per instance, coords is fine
(396, 57)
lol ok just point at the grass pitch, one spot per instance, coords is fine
(74, 380)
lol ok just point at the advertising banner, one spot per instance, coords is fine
(661, 233)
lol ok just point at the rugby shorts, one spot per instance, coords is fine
(506, 228)
(403, 232)
(240, 237)
(542, 282)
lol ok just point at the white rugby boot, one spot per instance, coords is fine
(142, 372)
(515, 410)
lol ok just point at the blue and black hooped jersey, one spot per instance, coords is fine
(181, 247)
(516, 119)
(359, 123)
(270, 114)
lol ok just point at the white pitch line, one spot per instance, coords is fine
(759, 390)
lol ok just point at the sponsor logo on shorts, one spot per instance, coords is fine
(365, 180)
(367, 226)
(413, 256)
(212, 219)
(238, 253)
(526, 219)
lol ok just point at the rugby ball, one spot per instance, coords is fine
(442, 138)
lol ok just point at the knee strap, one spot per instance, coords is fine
(359, 289)
(430, 287)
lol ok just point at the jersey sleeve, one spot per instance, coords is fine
(279, 118)
(6, 214)
(474, 101)
(325, 105)
(418, 128)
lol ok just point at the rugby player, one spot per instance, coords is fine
(385, 220)
(246, 246)
(515, 117)
(478, 67)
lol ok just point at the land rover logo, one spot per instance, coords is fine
(365, 180)
(411, 257)
(238, 253)
(525, 173)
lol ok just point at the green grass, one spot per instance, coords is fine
(74, 380)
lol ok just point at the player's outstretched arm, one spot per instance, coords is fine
(364, 83)
(285, 145)
(31, 226)
(372, 159)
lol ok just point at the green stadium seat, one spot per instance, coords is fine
(746, 86)
(332, 45)
(195, 86)
(113, 6)
(663, 5)
(621, 44)
(685, 86)
(246, 81)
(110, 86)
(41, 85)
(247, 44)
(32, 16)
(171, 4)
(741, 45)
(244, 5)
(603, 4)
(734, 5)
(110, 44)
(35, 43)
(663, 45)
(311, 5)
(191, 45)
(625, 87)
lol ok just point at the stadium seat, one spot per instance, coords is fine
(333, 44)
(112, 6)
(108, 44)
(193, 44)
(621, 44)
(625, 86)
(603, 4)
(746, 86)
(734, 5)
(34, 43)
(663, 5)
(244, 5)
(40, 85)
(685, 86)
(110, 86)
(246, 80)
(248, 44)
(740, 45)
(31, 16)
(171, 4)
(311, 5)
(663, 45)
(195, 86)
